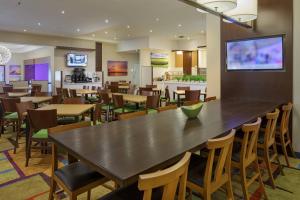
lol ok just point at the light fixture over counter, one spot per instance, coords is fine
(219, 5)
(245, 11)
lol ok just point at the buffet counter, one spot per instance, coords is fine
(172, 85)
(80, 85)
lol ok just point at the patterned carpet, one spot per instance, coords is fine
(18, 182)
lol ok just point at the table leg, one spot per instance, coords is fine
(92, 114)
(178, 100)
(137, 105)
(173, 95)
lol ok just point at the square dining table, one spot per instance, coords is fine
(36, 100)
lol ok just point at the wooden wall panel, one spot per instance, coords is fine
(187, 62)
(274, 17)
(98, 57)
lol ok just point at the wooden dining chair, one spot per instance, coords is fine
(192, 95)
(65, 93)
(166, 108)
(119, 106)
(7, 89)
(38, 130)
(56, 99)
(267, 150)
(208, 99)
(97, 118)
(75, 178)
(59, 91)
(151, 86)
(35, 88)
(246, 157)
(74, 100)
(107, 105)
(114, 88)
(21, 110)
(283, 133)
(152, 104)
(73, 93)
(144, 89)
(208, 174)
(10, 115)
(132, 115)
(146, 93)
(172, 182)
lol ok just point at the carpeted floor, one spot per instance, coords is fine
(18, 182)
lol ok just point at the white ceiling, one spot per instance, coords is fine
(161, 16)
(20, 48)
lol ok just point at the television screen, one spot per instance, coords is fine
(77, 60)
(255, 54)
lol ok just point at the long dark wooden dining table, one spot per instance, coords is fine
(122, 150)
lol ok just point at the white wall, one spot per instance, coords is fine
(133, 44)
(296, 116)
(109, 52)
(213, 55)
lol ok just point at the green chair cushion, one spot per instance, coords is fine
(23, 126)
(66, 120)
(106, 107)
(152, 111)
(12, 116)
(41, 134)
(93, 98)
(120, 110)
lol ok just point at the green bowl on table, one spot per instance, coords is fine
(193, 111)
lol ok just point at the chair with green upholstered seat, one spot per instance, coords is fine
(152, 104)
(10, 116)
(21, 110)
(119, 106)
(107, 105)
(38, 130)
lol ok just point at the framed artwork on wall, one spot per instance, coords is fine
(117, 68)
(14, 72)
(159, 60)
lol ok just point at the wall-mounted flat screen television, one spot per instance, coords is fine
(77, 60)
(254, 54)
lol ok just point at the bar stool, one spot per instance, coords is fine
(149, 185)
(266, 140)
(206, 176)
(283, 134)
(247, 156)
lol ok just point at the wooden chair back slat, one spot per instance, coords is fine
(285, 119)
(49, 119)
(270, 130)
(152, 102)
(168, 179)
(118, 101)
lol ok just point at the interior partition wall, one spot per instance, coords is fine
(37, 69)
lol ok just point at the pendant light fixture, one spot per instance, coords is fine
(245, 11)
(218, 5)
(5, 55)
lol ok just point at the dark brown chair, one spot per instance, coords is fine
(115, 83)
(94, 87)
(7, 89)
(10, 116)
(75, 178)
(59, 91)
(21, 110)
(192, 95)
(151, 86)
(65, 92)
(166, 98)
(39, 130)
(73, 93)
(208, 99)
(107, 106)
(74, 100)
(56, 99)
(85, 87)
(119, 106)
(142, 89)
(152, 104)
(146, 93)
(183, 88)
(113, 88)
(97, 114)
(36, 87)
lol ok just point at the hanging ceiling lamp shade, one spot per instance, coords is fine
(5, 55)
(245, 11)
(218, 5)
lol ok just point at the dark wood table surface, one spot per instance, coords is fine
(122, 150)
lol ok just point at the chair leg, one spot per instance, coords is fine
(190, 192)
(89, 195)
(268, 165)
(53, 185)
(16, 142)
(260, 180)
(277, 159)
(284, 151)
(291, 145)
(244, 183)
(73, 197)
(229, 189)
(28, 153)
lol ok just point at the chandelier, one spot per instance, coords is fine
(218, 5)
(5, 55)
(245, 11)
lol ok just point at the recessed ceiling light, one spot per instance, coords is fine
(128, 26)
(188, 38)
(78, 30)
(25, 30)
(63, 12)
(106, 32)
(151, 31)
(157, 19)
(202, 31)
(39, 24)
(179, 25)
(93, 35)
(107, 21)
(115, 38)
(128, 35)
